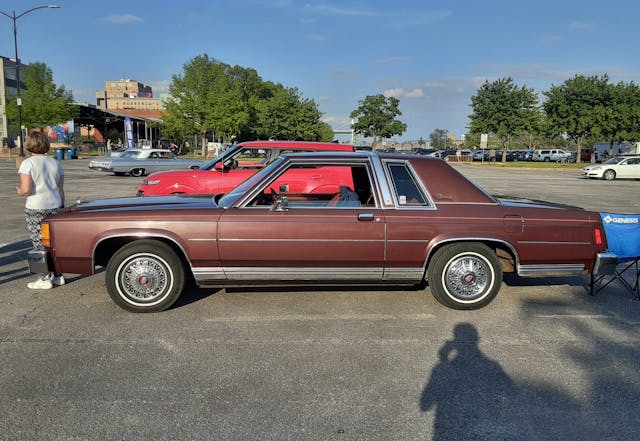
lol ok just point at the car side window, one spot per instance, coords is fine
(408, 192)
(319, 186)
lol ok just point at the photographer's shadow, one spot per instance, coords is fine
(474, 398)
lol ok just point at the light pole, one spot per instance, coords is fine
(15, 18)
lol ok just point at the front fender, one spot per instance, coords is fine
(108, 242)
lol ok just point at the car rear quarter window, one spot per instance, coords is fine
(407, 191)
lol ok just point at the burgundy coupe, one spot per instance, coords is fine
(325, 219)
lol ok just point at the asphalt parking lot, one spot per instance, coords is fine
(543, 361)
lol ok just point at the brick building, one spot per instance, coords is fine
(127, 94)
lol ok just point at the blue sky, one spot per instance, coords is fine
(432, 55)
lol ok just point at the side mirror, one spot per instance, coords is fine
(219, 167)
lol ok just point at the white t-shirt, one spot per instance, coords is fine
(45, 174)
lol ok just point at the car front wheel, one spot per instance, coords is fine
(137, 172)
(609, 175)
(465, 275)
(145, 276)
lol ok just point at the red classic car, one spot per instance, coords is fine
(230, 168)
(392, 219)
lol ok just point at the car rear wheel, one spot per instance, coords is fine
(609, 175)
(145, 276)
(137, 172)
(465, 275)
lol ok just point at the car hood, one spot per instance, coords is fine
(507, 201)
(144, 203)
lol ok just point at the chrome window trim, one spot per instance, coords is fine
(286, 165)
(416, 180)
(382, 181)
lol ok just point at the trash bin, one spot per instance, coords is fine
(59, 154)
(72, 153)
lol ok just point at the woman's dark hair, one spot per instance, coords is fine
(37, 142)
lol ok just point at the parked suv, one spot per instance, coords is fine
(554, 155)
(230, 168)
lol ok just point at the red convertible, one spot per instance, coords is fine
(230, 168)
(391, 219)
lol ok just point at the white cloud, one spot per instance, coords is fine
(329, 119)
(159, 87)
(123, 19)
(415, 93)
(396, 92)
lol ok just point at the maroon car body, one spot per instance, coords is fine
(400, 219)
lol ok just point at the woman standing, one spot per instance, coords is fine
(41, 181)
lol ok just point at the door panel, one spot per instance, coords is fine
(302, 243)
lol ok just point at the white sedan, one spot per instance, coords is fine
(140, 162)
(618, 167)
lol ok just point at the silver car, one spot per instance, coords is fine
(140, 162)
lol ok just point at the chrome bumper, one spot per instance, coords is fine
(606, 263)
(38, 261)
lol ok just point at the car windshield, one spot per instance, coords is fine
(131, 154)
(230, 198)
(614, 160)
(228, 152)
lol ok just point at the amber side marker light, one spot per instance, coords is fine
(598, 236)
(46, 236)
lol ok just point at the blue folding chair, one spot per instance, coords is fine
(623, 238)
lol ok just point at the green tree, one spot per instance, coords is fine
(621, 116)
(578, 108)
(439, 139)
(376, 117)
(285, 114)
(207, 97)
(233, 103)
(43, 102)
(503, 109)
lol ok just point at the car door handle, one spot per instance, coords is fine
(365, 217)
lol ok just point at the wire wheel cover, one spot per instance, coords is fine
(468, 276)
(144, 278)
